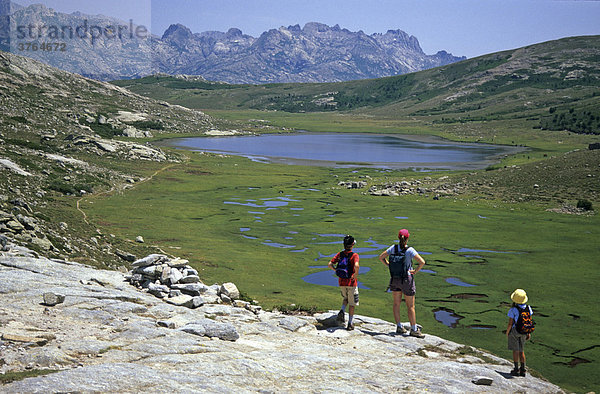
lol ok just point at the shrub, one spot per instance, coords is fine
(297, 309)
(585, 205)
(147, 125)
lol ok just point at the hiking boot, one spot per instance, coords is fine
(401, 330)
(522, 372)
(515, 372)
(341, 317)
(350, 327)
(416, 333)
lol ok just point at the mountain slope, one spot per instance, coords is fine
(63, 136)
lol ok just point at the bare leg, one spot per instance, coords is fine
(397, 302)
(516, 356)
(410, 305)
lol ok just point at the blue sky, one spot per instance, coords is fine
(462, 27)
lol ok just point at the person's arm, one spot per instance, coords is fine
(356, 268)
(383, 258)
(510, 324)
(421, 264)
(332, 262)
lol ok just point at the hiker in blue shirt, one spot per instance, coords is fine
(402, 280)
(520, 327)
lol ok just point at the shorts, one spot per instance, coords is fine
(350, 294)
(516, 341)
(407, 287)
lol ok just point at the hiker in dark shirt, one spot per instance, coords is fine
(404, 284)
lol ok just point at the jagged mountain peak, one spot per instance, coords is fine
(178, 32)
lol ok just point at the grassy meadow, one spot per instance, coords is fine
(263, 226)
(266, 226)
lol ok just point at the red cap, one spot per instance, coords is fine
(403, 233)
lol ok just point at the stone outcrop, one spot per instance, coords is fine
(90, 330)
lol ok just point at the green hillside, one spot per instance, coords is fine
(553, 85)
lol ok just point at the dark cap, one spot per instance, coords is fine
(349, 240)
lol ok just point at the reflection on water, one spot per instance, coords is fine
(268, 242)
(458, 282)
(328, 277)
(447, 317)
(265, 204)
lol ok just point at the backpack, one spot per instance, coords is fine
(344, 267)
(524, 324)
(399, 264)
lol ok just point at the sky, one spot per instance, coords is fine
(462, 27)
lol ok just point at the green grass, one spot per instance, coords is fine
(201, 217)
(15, 376)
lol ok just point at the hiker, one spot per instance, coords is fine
(520, 327)
(345, 264)
(399, 258)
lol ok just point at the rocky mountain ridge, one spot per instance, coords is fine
(105, 48)
(61, 135)
(73, 328)
(314, 53)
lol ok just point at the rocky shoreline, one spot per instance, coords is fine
(87, 330)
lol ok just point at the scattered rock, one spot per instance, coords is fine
(230, 290)
(125, 255)
(212, 329)
(482, 380)
(52, 299)
(353, 184)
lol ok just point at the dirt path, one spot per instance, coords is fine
(119, 187)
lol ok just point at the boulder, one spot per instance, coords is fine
(230, 290)
(52, 299)
(212, 329)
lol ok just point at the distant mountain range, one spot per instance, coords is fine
(314, 53)
(105, 48)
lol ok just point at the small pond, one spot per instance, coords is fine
(352, 150)
(458, 282)
(446, 317)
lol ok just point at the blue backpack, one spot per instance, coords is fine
(344, 267)
(399, 264)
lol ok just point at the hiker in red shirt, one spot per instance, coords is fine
(345, 264)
